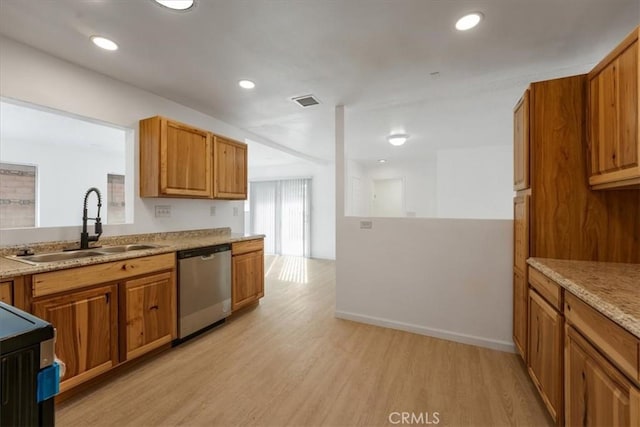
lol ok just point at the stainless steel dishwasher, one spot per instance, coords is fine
(204, 288)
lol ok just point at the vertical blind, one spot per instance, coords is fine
(281, 211)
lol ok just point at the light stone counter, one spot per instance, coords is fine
(167, 242)
(611, 288)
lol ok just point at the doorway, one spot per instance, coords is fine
(281, 210)
(388, 197)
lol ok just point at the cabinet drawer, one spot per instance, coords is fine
(6, 292)
(238, 248)
(546, 287)
(73, 278)
(618, 345)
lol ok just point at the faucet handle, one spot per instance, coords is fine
(25, 252)
(98, 226)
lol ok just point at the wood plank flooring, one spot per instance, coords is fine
(289, 362)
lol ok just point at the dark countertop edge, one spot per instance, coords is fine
(607, 309)
(23, 269)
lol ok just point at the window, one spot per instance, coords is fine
(280, 210)
(115, 199)
(17, 195)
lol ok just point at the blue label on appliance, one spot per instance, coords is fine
(48, 382)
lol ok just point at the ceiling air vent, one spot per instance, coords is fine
(306, 100)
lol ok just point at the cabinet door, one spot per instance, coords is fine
(521, 144)
(147, 308)
(6, 292)
(86, 327)
(185, 160)
(613, 121)
(596, 393)
(230, 169)
(521, 232)
(545, 353)
(248, 279)
(520, 312)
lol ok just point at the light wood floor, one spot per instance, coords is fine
(290, 362)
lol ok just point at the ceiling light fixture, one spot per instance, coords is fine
(469, 21)
(176, 4)
(382, 161)
(397, 139)
(104, 43)
(246, 84)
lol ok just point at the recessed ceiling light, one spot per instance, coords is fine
(382, 161)
(104, 43)
(176, 4)
(397, 139)
(469, 21)
(246, 84)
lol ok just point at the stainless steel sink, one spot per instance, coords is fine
(58, 256)
(125, 248)
(97, 252)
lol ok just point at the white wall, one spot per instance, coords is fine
(420, 183)
(33, 76)
(322, 200)
(60, 189)
(448, 278)
(475, 182)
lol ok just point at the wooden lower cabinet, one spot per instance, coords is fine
(596, 393)
(6, 292)
(520, 312)
(545, 353)
(147, 316)
(248, 279)
(87, 336)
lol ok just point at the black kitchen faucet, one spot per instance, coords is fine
(85, 238)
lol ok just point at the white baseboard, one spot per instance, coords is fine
(431, 332)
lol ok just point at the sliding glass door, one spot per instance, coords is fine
(281, 211)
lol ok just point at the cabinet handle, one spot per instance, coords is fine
(154, 307)
(106, 298)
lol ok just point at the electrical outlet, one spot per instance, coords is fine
(212, 211)
(235, 211)
(366, 225)
(163, 211)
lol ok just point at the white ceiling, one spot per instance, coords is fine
(373, 56)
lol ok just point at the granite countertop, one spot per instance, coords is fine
(167, 243)
(611, 288)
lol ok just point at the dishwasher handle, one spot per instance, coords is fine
(203, 251)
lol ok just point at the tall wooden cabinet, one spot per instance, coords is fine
(175, 159)
(520, 255)
(558, 215)
(613, 118)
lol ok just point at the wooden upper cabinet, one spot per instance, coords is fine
(230, 169)
(86, 325)
(613, 117)
(521, 144)
(596, 393)
(175, 159)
